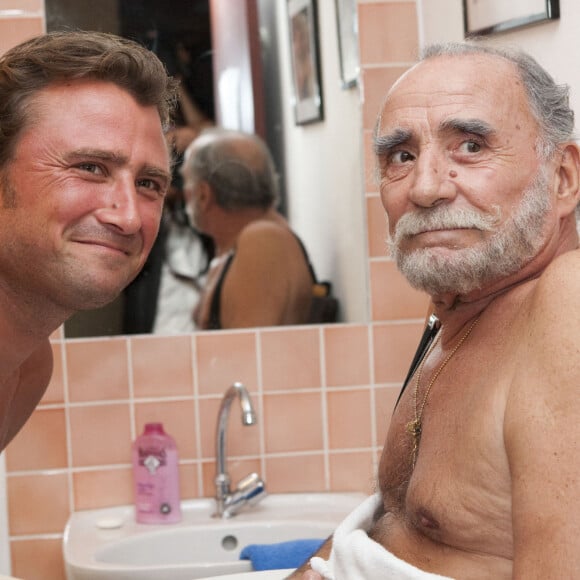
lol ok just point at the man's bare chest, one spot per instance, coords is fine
(456, 490)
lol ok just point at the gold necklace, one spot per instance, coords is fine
(415, 426)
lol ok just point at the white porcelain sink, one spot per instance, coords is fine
(267, 575)
(107, 544)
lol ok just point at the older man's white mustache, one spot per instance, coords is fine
(435, 219)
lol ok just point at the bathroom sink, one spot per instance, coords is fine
(267, 575)
(108, 544)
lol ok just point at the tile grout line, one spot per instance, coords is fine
(196, 415)
(261, 422)
(68, 427)
(370, 362)
(374, 429)
(123, 466)
(131, 380)
(324, 407)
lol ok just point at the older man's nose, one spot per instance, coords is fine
(432, 180)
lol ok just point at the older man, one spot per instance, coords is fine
(479, 475)
(84, 168)
(261, 274)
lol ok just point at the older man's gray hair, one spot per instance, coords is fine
(237, 166)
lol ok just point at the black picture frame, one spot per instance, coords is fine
(305, 57)
(484, 17)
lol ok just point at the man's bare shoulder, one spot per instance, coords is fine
(547, 360)
(38, 366)
(259, 231)
(549, 330)
(271, 241)
(20, 395)
(557, 292)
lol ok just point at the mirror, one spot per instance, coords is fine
(320, 164)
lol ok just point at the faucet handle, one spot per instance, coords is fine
(252, 487)
(249, 491)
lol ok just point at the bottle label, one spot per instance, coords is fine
(152, 458)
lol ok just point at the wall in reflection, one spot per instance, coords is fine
(324, 171)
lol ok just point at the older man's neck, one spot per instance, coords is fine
(227, 230)
(459, 309)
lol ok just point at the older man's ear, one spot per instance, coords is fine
(567, 184)
(205, 195)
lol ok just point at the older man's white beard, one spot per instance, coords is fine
(464, 270)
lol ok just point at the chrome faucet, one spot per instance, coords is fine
(251, 489)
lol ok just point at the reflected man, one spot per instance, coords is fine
(260, 275)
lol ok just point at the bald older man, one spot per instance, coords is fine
(479, 177)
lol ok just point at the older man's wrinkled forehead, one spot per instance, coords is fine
(460, 83)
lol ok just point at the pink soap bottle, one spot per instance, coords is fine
(156, 477)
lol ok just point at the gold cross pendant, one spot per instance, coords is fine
(414, 429)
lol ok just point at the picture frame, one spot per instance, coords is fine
(347, 27)
(482, 17)
(305, 57)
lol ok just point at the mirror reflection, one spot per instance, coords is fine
(261, 275)
(182, 39)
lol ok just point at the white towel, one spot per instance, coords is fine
(355, 556)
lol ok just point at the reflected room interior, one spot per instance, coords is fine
(193, 40)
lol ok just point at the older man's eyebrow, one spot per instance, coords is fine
(468, 126)
(384, 144)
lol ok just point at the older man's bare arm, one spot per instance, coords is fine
(542, 429)
(305, 572)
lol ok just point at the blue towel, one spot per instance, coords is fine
(290, 554)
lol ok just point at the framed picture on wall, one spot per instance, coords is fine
(347, 25)
(492, 16)
(305, 58)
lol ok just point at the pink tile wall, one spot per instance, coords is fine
(22, 6)
(324, 395)
(388, 47)
(19, 20)
(318, 418)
